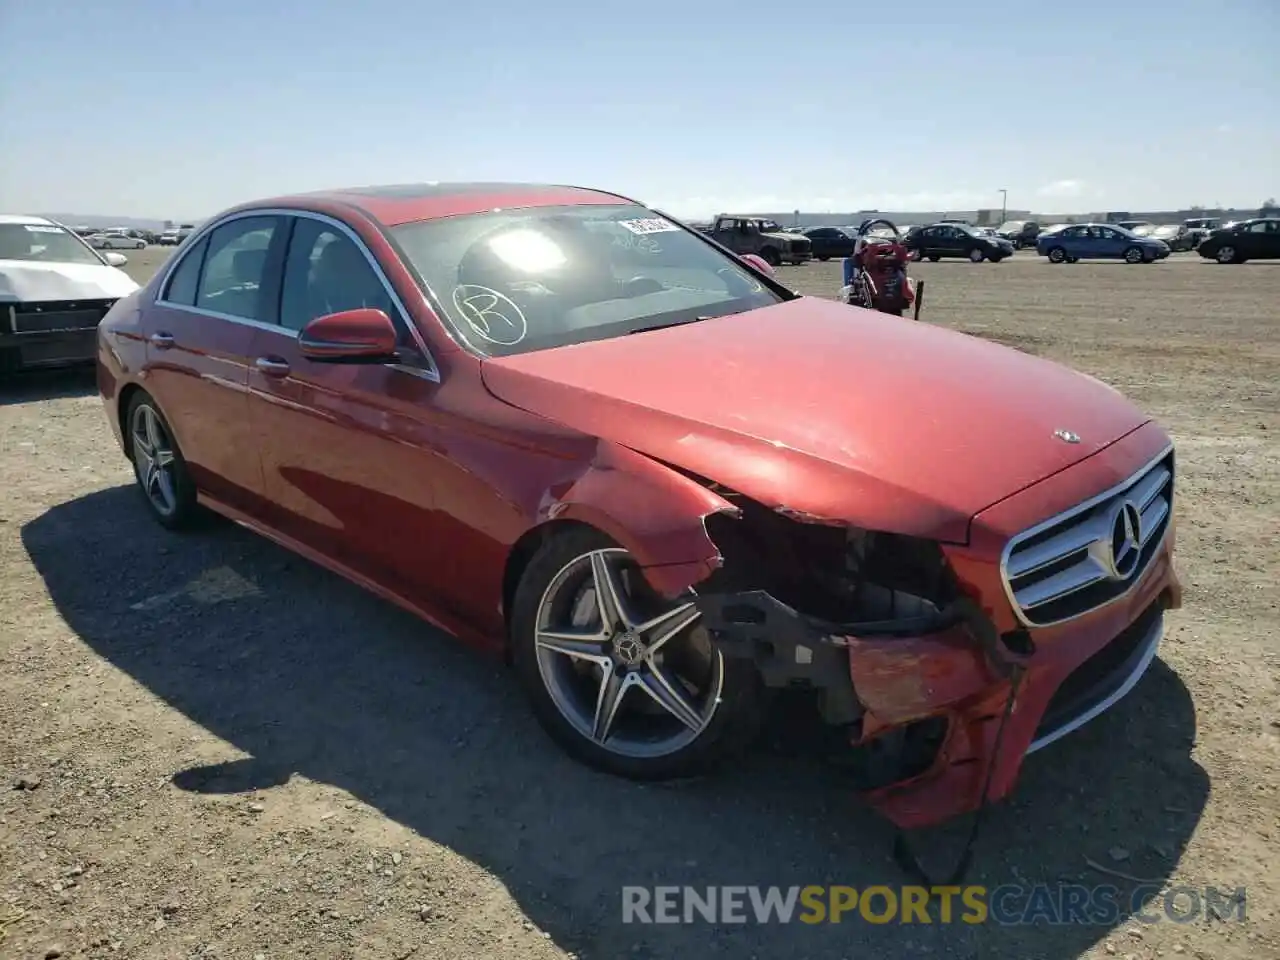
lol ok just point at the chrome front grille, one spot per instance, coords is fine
(1092, 554)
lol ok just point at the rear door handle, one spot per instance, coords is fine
(272, 366)
(162, 341)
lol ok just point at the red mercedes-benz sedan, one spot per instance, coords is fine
(560, 424)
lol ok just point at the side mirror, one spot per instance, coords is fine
(758, 262)
(115, 259)
(364, 335)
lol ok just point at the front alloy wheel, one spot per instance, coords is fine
(624, 679)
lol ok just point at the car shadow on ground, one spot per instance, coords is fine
(309, 675)
(33, 386)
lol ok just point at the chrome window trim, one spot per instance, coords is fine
(1133, 479)
(432, 371)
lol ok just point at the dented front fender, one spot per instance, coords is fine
(655, 513)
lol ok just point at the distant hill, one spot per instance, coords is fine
(94, 220)
(790, 219)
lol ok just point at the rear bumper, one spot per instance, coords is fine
(930, 695)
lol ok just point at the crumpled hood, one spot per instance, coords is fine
(836, 413)
(26, 281)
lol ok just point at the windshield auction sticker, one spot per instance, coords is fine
(649, 225)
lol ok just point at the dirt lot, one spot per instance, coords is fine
(218, 750)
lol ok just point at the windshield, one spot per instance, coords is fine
(1011, 226)
(1167, 231)
(1144, 229)
(769, 226)
(514, 281)
(43, 243)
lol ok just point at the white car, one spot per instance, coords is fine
(54, 290)
(115, 241)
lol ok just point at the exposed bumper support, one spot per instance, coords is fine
(898, 685)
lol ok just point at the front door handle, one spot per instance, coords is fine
(161, 341)
(272, 366)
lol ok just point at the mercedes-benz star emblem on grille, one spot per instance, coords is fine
(1126, 540)
(1066, 436)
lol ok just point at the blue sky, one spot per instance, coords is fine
(175, 109)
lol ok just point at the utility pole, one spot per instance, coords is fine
(1004, 204)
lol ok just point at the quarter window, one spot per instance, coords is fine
(326, 272)
(234, 279)
(186, 276)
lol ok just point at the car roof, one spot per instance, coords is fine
(22, 218)
(396, 204)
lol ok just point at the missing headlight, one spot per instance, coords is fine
(829, 571)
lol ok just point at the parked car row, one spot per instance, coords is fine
(1134, 241)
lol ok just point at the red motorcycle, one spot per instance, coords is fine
(875, 276)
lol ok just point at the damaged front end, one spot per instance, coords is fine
(899, 660)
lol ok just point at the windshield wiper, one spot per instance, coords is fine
(674, 323)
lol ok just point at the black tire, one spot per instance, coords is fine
(823, 259)
(934, 259)
(186, 512)
(976, 254)
(1134, 255)
(771, 256)
(1057, 255)
(730, 729)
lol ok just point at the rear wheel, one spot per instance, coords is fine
(623, 679)
(158, 465)
(934, 258)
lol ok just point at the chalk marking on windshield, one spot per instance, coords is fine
(493, 316)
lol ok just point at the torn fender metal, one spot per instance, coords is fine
(656, 514)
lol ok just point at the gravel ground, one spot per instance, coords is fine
(219, 750)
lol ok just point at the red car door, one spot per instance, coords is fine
(345, 447)
(199, 335)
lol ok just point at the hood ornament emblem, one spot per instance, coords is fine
(1066, 436)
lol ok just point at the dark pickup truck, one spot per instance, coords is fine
(759, 235)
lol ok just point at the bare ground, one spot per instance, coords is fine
(221, 751)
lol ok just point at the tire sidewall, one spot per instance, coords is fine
(186, 511)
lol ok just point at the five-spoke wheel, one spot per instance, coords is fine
(622, 677)
(158, 465)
